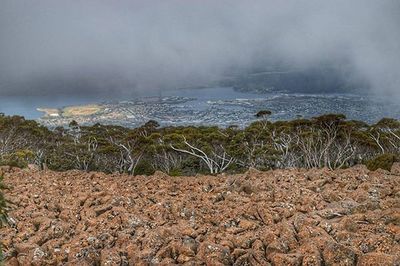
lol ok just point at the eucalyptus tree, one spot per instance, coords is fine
(207, 144)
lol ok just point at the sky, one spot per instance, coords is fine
(92, 47)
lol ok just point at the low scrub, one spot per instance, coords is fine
(329, 141)
(3, 212)
(383, 161)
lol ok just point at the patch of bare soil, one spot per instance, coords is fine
(282, 217)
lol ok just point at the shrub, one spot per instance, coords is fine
(3, 212)
(383, 161)
(175, 172)
(144, 168)
(20, 158)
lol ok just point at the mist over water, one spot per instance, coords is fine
(126, 48)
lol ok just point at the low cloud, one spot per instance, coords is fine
(122, 47)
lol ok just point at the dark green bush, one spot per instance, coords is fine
(19, 158)
(144, 168)
(175, 172)
(383, 161)
(14, 163)
(3, 212)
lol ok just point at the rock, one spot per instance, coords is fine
(287, 259)
(24, 260)
(337, 254)
(283, 217)
(395, 168)
(248, 225)
(188, 247)
(214, 254)
(12, 262)
(160, 174)
(277, 246)
(312, 256)
(38, 254)
(25, 248)
(102, 210)
(378, 259)
(33, 167)
(182, 258)
(253, 172)
(109, 257)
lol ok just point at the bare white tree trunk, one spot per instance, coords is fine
(216, 163)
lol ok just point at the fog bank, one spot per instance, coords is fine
(121, 47)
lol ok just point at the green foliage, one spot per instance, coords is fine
(3, 206)
(144, 168)
(175, 172)
(325, 141)
(19, 158)
(263, 113)
(383, 161)
(3, 212)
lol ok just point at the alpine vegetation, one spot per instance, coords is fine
(328, 141)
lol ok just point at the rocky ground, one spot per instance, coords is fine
(282, 217)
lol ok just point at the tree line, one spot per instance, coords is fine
(329, 141)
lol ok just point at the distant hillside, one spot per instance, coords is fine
(317, 80)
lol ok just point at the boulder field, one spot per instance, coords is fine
(279, 217)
